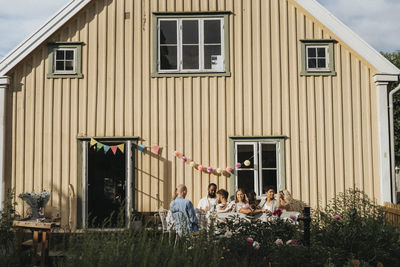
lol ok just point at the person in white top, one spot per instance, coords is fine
(223, 205)
(270, 203)
(209, 202)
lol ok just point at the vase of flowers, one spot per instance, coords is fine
(36, 201)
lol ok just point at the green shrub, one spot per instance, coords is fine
(8, 249)
(354, 227)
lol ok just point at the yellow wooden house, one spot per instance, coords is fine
(119, 101)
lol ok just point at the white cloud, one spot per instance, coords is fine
(20, 18)
(376, 21)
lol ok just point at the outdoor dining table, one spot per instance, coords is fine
(37, 228)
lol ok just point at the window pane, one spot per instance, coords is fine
(168, 32)
(190, 33)
(168, 57)
(60, 54)
(211, 51)
(69, 54)
(246, 180)
(321, 52)
(69, 65)
(269, 178)
(59, 65)
(321, 63)
(190, 56)
(212, 31)
(245, 152)
(312, 63)
(268, 156)
(311, 52)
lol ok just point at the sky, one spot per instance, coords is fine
(376, 21)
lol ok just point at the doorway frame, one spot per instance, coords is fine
(130, 159)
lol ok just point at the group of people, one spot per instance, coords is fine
(182, 209)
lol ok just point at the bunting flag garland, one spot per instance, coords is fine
(92, 142)
(99, 146)
(142, 147)
(121, 147)
(106, 148)
(114, 149)
(156, 149)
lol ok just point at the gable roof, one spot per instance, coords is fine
(16, 55)
(349, 37)
(311, 6)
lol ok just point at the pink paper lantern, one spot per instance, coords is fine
(209, 170)
(238, 165)
(184, 159)
(176, 153)
(228, 169)
(200, 168)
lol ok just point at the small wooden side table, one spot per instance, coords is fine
(37, 228)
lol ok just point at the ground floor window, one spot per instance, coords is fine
(261, 164)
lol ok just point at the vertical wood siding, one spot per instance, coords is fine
(330, 122)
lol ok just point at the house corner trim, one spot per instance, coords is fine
(4, 84)
(382, 82)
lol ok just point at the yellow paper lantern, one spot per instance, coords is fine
(247, 163)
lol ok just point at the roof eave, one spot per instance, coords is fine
(16, 55)
(337, 27)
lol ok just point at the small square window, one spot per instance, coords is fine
(317, 57)
(65, 60)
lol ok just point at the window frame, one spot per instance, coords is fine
(179, 17)
(258, 141)
(329, 57)
(53, 47)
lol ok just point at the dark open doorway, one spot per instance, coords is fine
(106, 188)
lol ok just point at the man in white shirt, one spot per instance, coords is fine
(209, 202)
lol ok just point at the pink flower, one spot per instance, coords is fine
(228, 234)
(277, 212)
(256, 245)
(279, 242)
(184, 159)
(238, 165)
(337, 218)
(363, 224)
(250, 240)
(293, 218)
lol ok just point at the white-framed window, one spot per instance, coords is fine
(265, 165)
(64, 61)
(317, 57)
(190, 45)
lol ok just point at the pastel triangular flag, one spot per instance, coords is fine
(99, 146)
(92, 142)
(106, 148)
(141, 147)
(156, 149)
(114, 149)
(121, 147)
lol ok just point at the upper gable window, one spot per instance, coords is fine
(317, 57)
(191, 45)
(65, 60)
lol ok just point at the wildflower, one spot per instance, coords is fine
(293, 218)
(337, 218)
(289, 242)
(190, 248)
(256, 245)
(228, 234)
(277, 212)
(279, 241)
(250, 240)
(363, 224)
